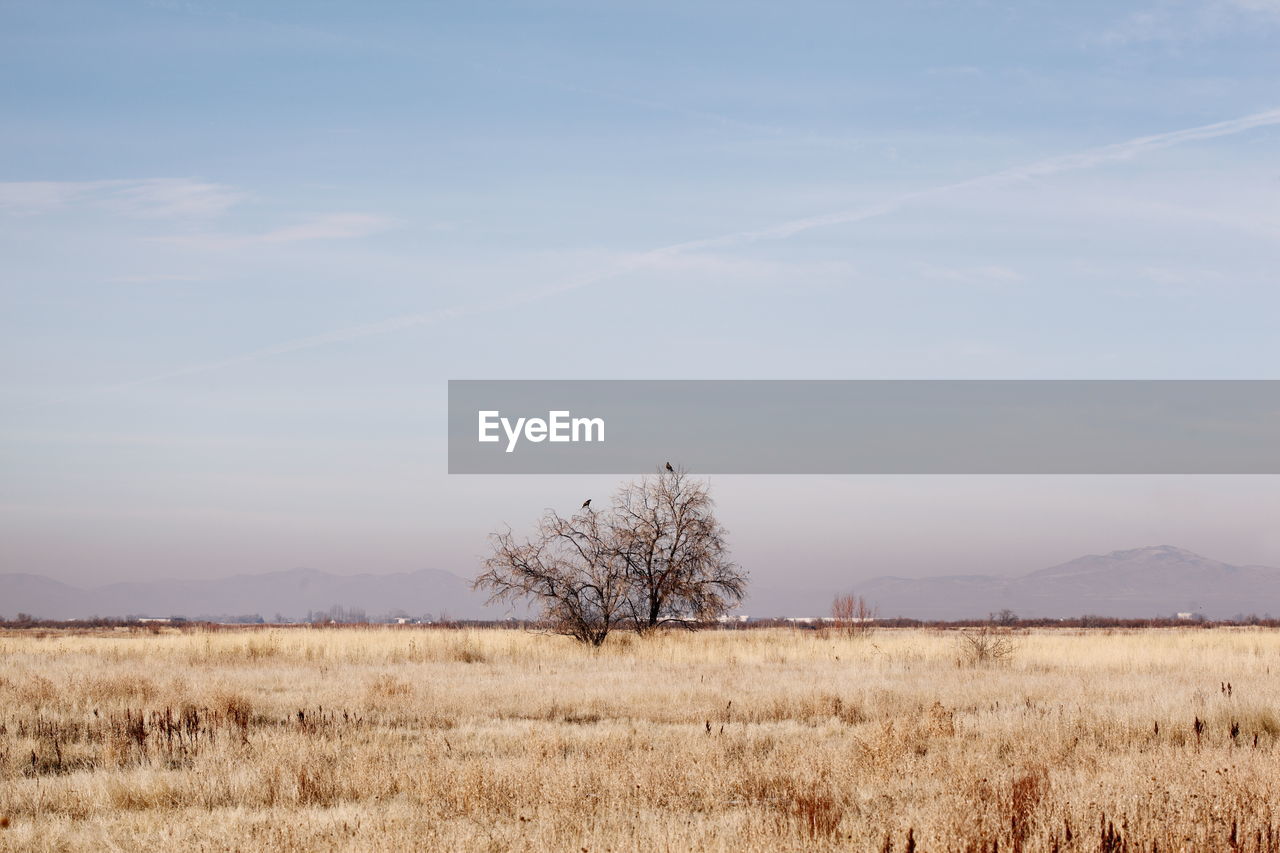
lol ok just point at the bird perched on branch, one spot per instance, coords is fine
(669, 468)
(586, 504)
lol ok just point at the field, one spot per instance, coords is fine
(394, 739)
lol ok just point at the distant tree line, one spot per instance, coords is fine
(21, 621)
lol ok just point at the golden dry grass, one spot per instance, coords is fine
(393, 739)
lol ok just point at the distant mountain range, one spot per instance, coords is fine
(1143, 582)
(289, 593)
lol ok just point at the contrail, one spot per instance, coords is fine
(1085, 159)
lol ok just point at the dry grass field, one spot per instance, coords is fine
(395, 739)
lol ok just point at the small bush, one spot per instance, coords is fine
(984, 645)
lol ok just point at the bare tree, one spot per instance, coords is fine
(853, 614)
(658, 556)
(675, 551)
(570, 567)
(1005, 617)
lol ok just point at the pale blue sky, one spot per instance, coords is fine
(243, 246)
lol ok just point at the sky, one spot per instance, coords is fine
(243, 246)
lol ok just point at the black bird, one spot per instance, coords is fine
(586, 504)
(669, 468)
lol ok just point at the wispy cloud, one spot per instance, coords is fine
(153, 278)
(338, 226)
(177, 198)
(1080, 160)
(1174, 24)
(335, 226)
(988, 275)
(1256, 220)
(145, 198)
(1182, 276)
(1263, 7)
(739, 270)
(31, 197)
(773, 131)
(163, 197)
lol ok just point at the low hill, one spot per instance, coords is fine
(1142, 582)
